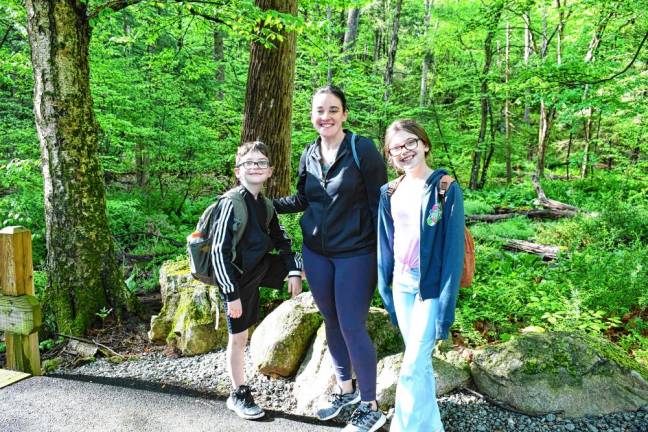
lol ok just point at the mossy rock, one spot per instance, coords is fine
(281, 340)
(560, 372)
(384, 335)
(451, 372)
(187, 320)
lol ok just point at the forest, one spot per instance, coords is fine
(119, 121)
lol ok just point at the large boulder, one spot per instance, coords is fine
(187, 319)
(560, 372)
(316, 379)
(279, 343)
(451, 371)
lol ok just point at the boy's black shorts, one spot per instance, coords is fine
(270, 273)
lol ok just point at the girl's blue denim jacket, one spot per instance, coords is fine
(441, 249)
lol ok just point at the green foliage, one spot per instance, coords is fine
(170, 123)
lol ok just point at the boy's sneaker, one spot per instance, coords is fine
(335, 403)
(364, 419)
(242, 403)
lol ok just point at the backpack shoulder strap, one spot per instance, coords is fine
(392, 185)
(240, 214)
(269, 211)
(355, 150)
(444, 184)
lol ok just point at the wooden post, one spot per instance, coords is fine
(17, 280)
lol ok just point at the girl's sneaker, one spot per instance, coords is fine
(364, 419)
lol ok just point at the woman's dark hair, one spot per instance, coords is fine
(251, 146)
(335, 91)
(407, 125)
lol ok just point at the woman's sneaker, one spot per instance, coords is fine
(335, 403)
(364, 419)
(242, 403)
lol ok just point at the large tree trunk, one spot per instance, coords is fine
(83, 275)
(268, 99)
(393, 48)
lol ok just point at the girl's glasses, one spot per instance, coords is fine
(410, 144)
(263, 164)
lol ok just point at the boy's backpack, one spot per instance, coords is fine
(469, 244)
(199, 242)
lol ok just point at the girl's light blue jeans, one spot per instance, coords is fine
(416, 404)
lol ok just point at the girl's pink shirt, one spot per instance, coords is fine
(406, 212)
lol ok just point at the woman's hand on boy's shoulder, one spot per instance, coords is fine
(294, 285)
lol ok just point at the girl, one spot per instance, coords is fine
(420, 262)
(340, 175)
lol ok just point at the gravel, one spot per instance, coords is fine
(462, 411)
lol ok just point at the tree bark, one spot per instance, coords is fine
(478, 153)
(393, 48)
(595, 42)
(546, 252)
(83, 275)
(351, 33)
(427, 53)
(532, 214)
(219, 58)
(507, 119)
(268, 99)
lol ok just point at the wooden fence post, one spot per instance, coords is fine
(20, 314)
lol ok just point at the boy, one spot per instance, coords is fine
(253, 266)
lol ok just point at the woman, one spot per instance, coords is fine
(340, 175)
(420, 263)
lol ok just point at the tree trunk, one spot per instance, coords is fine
(595, 42)
(329, 60)
(507, 119)
(351, 33)
(427, 53)
(219, 58)
(393, 47)
(527, 53)
(587, 137)
(83, 275)
(546, 121)
(488, 59)
(268, 99)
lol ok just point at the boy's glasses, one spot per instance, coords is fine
(410, 144)
(263, 164)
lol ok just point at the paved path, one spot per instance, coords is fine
(57, 404)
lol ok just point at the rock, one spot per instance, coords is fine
(451, 372)
(560, 372)
(386, 338)
(315, 379)
(281, 340)
(187, 318)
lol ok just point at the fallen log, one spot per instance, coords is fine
(546, 252)
(548, 203)
(533, 214)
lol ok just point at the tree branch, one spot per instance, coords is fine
(115, 5)
(610, 78)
